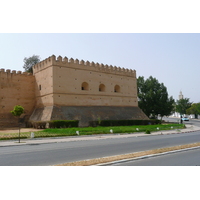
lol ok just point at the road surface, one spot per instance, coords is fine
(183, 158)
(57, 153)
(195, 122)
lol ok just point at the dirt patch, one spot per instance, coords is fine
(127, 156)
(16, 130)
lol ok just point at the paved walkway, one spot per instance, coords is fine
(3, 143)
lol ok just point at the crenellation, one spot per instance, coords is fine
(71, 60)
(107, 68)
(65, 59)
(14, 72)
(52, 58)
(82, 62)
(59, 59)
(94, 66)
(102, 65)
(46, 60)
(77, 61)
(97, 64)
(130, 71)
(87, 63)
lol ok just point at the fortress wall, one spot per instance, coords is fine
(44, 87)
(16, 88)
(68, 79)
(68, 88)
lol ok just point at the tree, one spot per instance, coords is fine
(17, 111)
(182, 105)
(153, 98)
(194, 109)
(30, 62)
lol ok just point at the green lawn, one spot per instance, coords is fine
(116, 129)
(93, 131)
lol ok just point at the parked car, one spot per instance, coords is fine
(185, 119)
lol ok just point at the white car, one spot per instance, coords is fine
(185, 119)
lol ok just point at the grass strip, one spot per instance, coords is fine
(128, 156)
(115, 129)
(59, 132)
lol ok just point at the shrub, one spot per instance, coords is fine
(123, 122)
(38, 125)
(148, 131)
(55, 124)
(63, 123)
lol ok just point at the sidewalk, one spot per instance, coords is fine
(189, 128)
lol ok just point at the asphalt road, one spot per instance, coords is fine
(195, 122)
(184, 158)
(57, 153)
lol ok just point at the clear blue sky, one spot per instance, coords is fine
(174, 59)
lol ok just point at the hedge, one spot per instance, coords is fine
(63, 123)
(55, 124)
(124, 122)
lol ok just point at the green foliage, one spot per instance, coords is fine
(148, 131)
(40, 125)
(56, 124)
(30, 62)
(124, 122)
(17, 111)
(194, 109)
(153, 98)
(116, 129)
(182, 105)
(63, 123)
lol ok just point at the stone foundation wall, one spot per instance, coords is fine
(85, 114)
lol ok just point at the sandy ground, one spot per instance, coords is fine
(16, 130)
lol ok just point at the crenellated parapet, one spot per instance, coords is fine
(86, 65)
(8, 72)
(46, 63)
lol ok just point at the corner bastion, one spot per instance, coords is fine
(85, 91)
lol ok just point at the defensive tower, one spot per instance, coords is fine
(86, 91)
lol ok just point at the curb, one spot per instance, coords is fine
(147, 156)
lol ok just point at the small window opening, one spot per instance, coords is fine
(84, 86)
(102, 88)
(117, 88)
